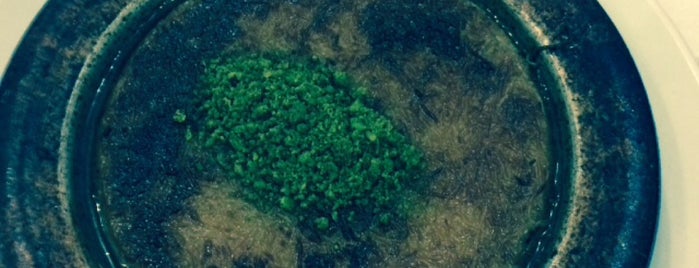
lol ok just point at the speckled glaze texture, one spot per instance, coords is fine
(613, 206)
(604, 211)
(36, 225)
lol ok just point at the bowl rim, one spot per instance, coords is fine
(672, 82)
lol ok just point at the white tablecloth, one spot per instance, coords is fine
(684, 15)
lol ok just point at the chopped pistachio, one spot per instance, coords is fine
(298, 137)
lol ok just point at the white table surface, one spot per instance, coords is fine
(684, 16)
(668, 62)
(15, 17)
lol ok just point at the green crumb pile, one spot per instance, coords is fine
(298, 136)
(179, 116)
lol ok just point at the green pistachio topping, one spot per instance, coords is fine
(299, 136)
